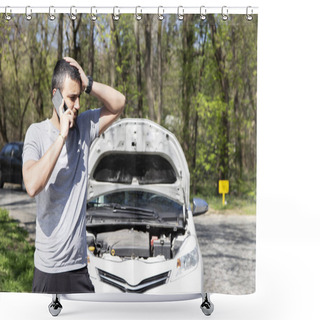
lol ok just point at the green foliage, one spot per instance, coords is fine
(16, 256)
(208, 71)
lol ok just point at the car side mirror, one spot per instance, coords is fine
(200, 206)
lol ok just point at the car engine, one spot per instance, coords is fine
(130, 243)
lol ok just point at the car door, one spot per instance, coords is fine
(6, 163)
(16, 164)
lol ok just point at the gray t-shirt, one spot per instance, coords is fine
(61, 205)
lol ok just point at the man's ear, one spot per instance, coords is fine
(54, 91)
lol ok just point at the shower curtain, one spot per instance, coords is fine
(190, 77)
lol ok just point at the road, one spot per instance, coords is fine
(228, 246)
(227, 243)
(20, 206)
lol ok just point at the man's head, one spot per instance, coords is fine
(67, 78)
(62, 70)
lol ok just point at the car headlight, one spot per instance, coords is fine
(186, 263)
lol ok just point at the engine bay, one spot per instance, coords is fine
(130, 243)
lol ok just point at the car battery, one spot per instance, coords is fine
(162, 247)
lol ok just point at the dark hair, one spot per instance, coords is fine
(61, 70)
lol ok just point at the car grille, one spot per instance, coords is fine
(143, 286)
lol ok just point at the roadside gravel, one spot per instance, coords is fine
(228, 246)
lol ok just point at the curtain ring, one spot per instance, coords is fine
(51, 16)
(224, 15)
(7, 15)
(203, 15)
(180, 14)
(116, 16)
(93, 15)
(249, 16)
(160, 15)
(28, 14)
(72, 15)
(138, 15)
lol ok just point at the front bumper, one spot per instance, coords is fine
(153, 276)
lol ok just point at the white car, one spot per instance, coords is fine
(142, 243)
(140, 230)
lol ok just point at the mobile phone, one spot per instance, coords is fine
(57, 100)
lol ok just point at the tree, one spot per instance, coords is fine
(197, 78)
(160, 68)
(188, 80)
(60, 37)
(148, 66)
(138, 68)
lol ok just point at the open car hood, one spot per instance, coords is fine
(138, 154)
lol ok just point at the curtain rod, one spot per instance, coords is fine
(138, 10)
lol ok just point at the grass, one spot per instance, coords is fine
(16, 256)
(240, 200)
(234, 205)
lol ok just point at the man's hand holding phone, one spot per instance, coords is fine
(65, 115)
(66, 120)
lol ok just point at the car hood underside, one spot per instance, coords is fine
(138, 154)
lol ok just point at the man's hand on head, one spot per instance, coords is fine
(113, 101)
(83, 76)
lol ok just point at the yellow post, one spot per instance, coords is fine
(223, 189)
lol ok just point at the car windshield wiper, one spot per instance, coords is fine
(118, 208)
(139, 211)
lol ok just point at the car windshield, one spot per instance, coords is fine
(146, 201)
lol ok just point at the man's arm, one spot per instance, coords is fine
(37, 173)
(112, 100)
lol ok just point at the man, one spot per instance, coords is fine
(55, 163)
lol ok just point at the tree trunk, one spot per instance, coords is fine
(138, 68)
(160, 83)
(3, 122)
(76, 47)
(112, 68)
(148, 67)
(187, 82)
(22, 117)
(117, 51)
(238, 144)
(60, 37)
(195, 126)
(91, 50)
(223, 82)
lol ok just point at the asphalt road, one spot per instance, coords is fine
(227, 243)
(20, 206)
(228, 246)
